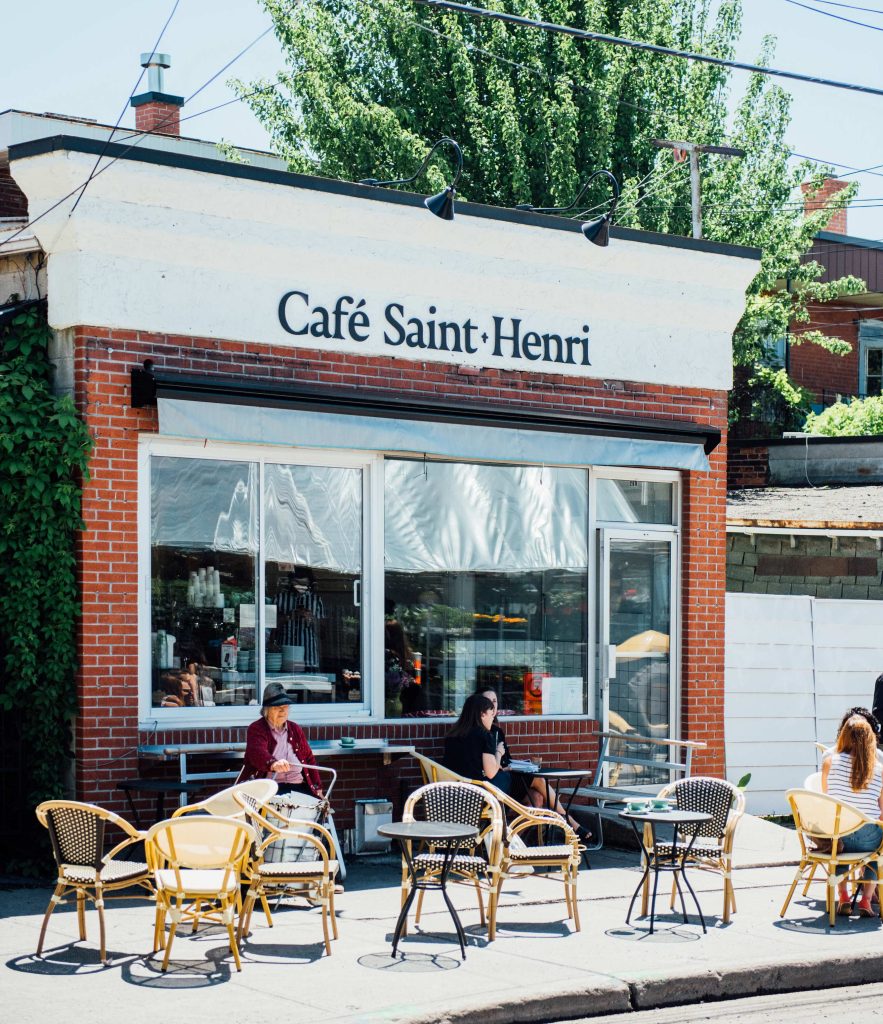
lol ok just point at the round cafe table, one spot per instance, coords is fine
(449, 838)
(665, 857)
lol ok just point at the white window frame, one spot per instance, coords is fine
(870, 336)
(370, 709)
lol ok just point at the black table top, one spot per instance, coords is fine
(672, 817)
(427, 830)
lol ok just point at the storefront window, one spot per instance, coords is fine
(205, 562)
(485, 585)
(204, 543)
(313, 580)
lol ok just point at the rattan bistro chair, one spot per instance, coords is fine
(312, 874)
(818, 816)
(197, 859)
(713, 847)
(560, 860)
(479, 863)
(77, 832)
(224, 804)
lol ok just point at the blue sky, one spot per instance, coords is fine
(81, 57)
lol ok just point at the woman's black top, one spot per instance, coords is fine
(463, 753)
(500, 737)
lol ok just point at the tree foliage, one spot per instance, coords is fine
(370, 84)
(849, 419)
(44, 451)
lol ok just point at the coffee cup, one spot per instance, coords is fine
(660, 805)
(347, 741)
(637, 805)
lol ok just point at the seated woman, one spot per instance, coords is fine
(472, 750)
(533, 791)
(276, 748)
(852, 775)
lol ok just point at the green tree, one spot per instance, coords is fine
(854, 419)
(370, 84)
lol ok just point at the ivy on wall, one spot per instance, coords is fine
(44, 454)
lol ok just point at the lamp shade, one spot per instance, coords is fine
(442, 204)
(597, 231)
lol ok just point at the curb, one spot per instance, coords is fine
(605, 994)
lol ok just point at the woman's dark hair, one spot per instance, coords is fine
(470, 714)
(867, 715)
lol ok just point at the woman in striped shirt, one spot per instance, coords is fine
(852, 775)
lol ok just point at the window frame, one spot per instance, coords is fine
(156, 719)
(870, 336)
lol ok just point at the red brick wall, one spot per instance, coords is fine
(830, 187)
(748, 465)
(12, 200)
(107, 733)
(164, 118)
(824, 373)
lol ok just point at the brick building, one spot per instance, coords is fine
(377, 457)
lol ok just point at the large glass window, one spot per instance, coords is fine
(486, 582)
(218, 539)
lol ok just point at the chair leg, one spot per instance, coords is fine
(493, 907)
(228, 913)
(324, 899)
(645, 896)
(54, 899)
(99, 906)
(247, 907)
(573, 901)
(809, 879)
(173, 926)
(266, 908)
(159, 927)
(831, 899)
(674, 890)
(81, 912)
(481, 918)
(331, 906)
(196, 909)
(797, 878)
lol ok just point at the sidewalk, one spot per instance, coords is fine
(536, 970)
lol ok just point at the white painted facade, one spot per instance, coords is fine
(793, 666)
(181, 251)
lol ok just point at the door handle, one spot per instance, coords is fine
(611, 661)
(357, 593)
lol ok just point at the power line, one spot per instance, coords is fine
(123, 111)
(850, 7)
(831, 14)
(598, 37)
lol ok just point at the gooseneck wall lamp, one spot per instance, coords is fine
(597, 230)
(442, 204)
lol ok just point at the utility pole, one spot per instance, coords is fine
(682, 150)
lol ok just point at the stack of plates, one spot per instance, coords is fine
(292, 658)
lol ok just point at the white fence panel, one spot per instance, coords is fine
(793, 666)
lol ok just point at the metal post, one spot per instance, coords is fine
(695, 192)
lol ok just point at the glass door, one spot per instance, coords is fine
(638, 642)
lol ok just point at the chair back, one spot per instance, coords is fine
(716, 797)
(813, 782)
(223, 804)
(460, 803)
(820, 816)
(76, 831)
(199, 842)
(432, 771)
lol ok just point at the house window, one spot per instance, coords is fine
(870, 357)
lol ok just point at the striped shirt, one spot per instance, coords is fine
(866, 800)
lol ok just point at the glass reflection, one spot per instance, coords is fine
(204, 530)
(634, 501)
(485, 586)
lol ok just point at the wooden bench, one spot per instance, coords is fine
(620, 750)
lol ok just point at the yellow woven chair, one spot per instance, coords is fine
(195, 860)
(432, 771)
(713, 848)
(315, 879)
(560, 860)
(821, 817)
(77, 832)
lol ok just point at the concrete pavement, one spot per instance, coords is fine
(538, 968)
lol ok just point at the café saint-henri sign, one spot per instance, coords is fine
(427, 333)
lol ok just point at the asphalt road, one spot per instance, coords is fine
(857, 1005)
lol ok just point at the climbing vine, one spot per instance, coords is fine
(44, 453)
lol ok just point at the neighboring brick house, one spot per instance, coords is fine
(374, 456)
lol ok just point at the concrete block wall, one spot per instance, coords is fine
(107, 726)
(817, 566)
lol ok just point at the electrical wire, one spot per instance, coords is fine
(122, 113)
(850, 7)
(667, 51)
(831, 14)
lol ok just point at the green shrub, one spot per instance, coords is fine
(859, 418)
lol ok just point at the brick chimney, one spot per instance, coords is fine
(830, 187)
(13, 203)
(155, 110)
